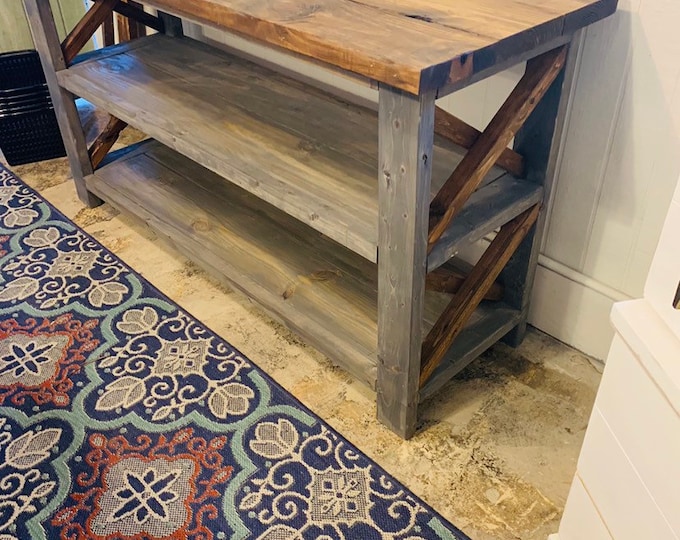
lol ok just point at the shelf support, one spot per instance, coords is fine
(106, 139)
(464, 135)
(473, 290)
(46, 40)
(540, 74)
(406, 135)
(448, 280)
(136, 19)
(85, 29)
(540, 140)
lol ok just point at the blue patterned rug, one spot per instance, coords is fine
(122, 417)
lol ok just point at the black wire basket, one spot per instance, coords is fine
(28, 126)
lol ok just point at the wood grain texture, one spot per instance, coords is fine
(135, 11)
(406, 144)
(46, 40)
(463, 305)
(439, 42)
(108, 31)
(85, 29)
(449, 280)
(487, 209)
(463, 134)
(513, 113)
(298, 148)
(106, 139)
(491, 322)
(323, 292)
(540, 140)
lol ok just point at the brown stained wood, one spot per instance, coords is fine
(463, 134)
(124, 28)
(439, 42)
(449, 281)
(541, 140)
(472, 292)
(108, 31)
(540, 74)
(86, 28)
(135, 11)
(106, 139)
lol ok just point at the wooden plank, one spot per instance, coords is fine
(439, 42)
(492, 322)
(108, 31)
(113, 50)
(486, 210)
(48, 46)
(85, 29)
(106, 139)
(406, 144)
(123, 28)
(234, 117)
(500, 131)
(135, 11)
(465, 135)
(172, 26)
(540, 140)
(449, 280)
(325, 293)
(463, 305)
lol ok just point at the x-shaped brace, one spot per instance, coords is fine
(100, 13)
(487, 149)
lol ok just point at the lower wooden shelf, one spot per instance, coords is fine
(319, 289)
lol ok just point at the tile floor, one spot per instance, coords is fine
(496, 449)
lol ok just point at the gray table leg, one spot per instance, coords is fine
(540, 142)
(47, 44)
(406, 139)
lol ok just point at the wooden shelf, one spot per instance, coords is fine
(322, 291)
(296, 147)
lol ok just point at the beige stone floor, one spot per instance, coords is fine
(496, 449)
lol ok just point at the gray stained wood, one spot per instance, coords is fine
(489, 324)
(406, 145)
(416, 45)
(486, 210)
(325, 293)
(450, 200)
(540, 141)
(467, 299)
(298, 148)
(46, 42)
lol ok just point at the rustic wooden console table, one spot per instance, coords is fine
(342, 222)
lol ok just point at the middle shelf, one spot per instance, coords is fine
(296, 147)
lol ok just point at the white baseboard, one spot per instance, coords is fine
(572, 310)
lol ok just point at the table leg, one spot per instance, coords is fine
(540, 142)
(405, 160)
(48, 46)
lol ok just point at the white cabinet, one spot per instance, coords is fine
(627, 484)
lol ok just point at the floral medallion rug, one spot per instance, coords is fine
(122, 417)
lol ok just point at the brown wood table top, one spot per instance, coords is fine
(414, 45)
